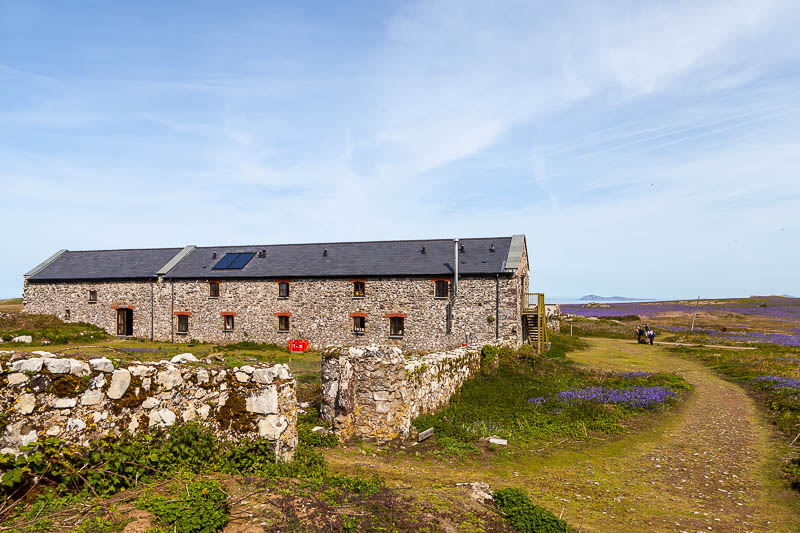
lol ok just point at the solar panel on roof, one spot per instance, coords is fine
(242, 260)
(233, 261)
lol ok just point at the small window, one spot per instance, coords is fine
(92, 297)
(228, 322)
(359, 325)
(397, 326)
(183, 323)
(440, 289)
(283, 323)
(213, 289)
(359, 288)
(283, 289)
(66, 314)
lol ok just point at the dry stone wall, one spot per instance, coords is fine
(375, 392)
(79, 401)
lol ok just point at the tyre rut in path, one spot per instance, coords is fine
(711, 465)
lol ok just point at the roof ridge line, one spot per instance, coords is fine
(354, 242)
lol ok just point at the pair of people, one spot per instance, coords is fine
(645, 332)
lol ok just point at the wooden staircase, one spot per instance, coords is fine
(534, 321)
(532, 329)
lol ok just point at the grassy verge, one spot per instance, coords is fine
(47, 329)
(601, 327)
(528, 397)
(772, 373)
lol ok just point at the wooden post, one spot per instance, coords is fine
(695, 312)
(542, 324)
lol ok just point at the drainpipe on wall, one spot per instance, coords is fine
(152, 316)
(497, 307)
(172, 312)
(455, 268)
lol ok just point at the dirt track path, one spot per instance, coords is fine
(711, 465)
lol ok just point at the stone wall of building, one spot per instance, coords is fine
(320, 310)
(69, 301)
(374, 393)
(79, 401)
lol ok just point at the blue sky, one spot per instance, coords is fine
(646, 148)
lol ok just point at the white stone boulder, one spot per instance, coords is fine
(23, 338)
(26, 404)
(264, 402)
(79, 368)
(57, 366)
(162, 418)
(101, 364)
(141, 370)
(183, 358)
(149, 403)
(33, 364)
(271, 427)
(120, 380)
(92, 397)
(202, 376)
(170, 378)
(65, 403)
(265, 375)
(17, 378)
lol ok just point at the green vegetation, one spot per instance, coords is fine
(525, 516)
(611, 328)
(47, 329)
(200, 507)
(498, 400)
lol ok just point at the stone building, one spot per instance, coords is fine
(406, 293)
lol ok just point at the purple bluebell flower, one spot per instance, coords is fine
(636, 397)
(778, 382)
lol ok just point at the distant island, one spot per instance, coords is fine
(596, 298)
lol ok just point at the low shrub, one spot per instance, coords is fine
(49, 328)
(525, 516)
(118, 462)
(200, 507)
(498, 401)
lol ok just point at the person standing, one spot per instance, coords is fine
(639, 334)
(651, 335)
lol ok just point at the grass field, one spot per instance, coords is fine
(759, 319)
(11, 305)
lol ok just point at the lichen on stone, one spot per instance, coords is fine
(66, 385)
(133, 397)
(234, 415)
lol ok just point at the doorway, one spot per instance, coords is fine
(125, 322)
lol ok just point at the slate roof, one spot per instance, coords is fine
(376, 258)
(105, 264)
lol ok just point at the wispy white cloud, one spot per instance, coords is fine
(461, 118)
